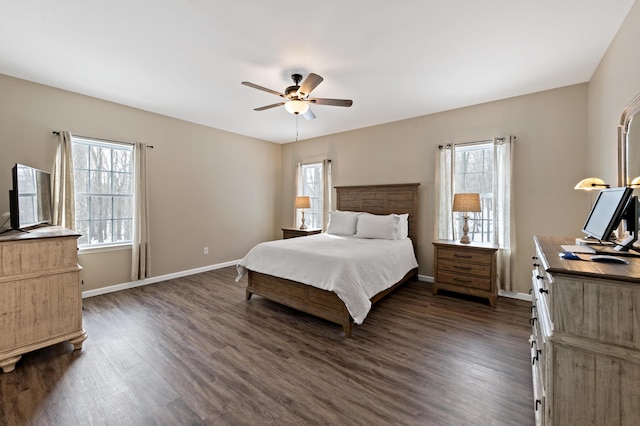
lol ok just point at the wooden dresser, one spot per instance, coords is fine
(297, 232)
(585, 341)
(40, 294)
(466, 268)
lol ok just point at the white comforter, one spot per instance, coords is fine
(353, 268)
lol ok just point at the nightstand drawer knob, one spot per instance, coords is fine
(538, 403)
(542, 290)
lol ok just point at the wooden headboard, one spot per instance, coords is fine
(382, 199)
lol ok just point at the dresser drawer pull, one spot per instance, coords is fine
(539, 277)
(534, 257)
(460, 280)
(533, 307)
(463, 268)
(532, 320)
(542, 290)
(533, 342)
(534, 359)
(538, 403)
(530, 291)
(535, 265)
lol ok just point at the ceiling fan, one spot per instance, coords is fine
(297, 98)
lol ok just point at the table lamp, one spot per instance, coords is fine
(466, 203)
(303, 202)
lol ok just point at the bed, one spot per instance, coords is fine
(399, 199)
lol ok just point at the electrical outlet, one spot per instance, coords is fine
(206, 250)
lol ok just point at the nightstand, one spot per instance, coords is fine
(297, 232)
(466, 268)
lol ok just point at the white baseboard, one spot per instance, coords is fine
(153, 280)
(503, 293)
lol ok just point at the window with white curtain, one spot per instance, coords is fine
(314, 180)
(104, 191)
(311, 185)
(484, 168)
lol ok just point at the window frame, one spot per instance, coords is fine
(127, 174)
(480, 223)
(314, 216)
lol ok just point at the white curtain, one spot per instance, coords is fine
(444, 229)
(327, 188)
(63, 194)
(140, 255)
(503, 210)
(297, 191)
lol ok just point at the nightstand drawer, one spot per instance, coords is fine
(458, 267)
(465, 256)
(468, 281)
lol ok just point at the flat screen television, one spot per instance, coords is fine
(607, 213)
(30, 198)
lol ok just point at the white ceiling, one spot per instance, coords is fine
(396, 60)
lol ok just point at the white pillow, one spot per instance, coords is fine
(342, 223)
(403, 226)
(377, 226)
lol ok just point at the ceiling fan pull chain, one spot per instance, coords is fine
(297, 115)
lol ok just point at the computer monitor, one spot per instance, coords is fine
(607, 212)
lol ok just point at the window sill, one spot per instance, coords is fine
(105, 248)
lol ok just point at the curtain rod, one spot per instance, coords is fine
(473, 142)
(55, 132)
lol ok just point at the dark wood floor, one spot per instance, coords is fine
(193, 351)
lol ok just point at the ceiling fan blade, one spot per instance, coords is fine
(309, 83)
(264, 89)
(269, 106)
(334, 102)
(309, 115)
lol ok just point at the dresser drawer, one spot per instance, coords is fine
(466, 268)
(468, 281)
(464, 256)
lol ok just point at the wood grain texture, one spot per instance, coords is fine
(591, 359)
(192, 351)
(40, 299)
(466, 268)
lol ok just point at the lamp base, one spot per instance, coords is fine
(303, 226)
(465, 231)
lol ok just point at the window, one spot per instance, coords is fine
(314, 180)
(104, 188)
(473, 172)
(311, 185)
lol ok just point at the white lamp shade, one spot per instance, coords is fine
(591, 183)
(303, 202)
(297, 107)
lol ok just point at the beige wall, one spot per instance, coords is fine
(615, 82)
(207, 187)
(549, 158)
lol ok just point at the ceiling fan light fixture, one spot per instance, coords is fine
(296, 107)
